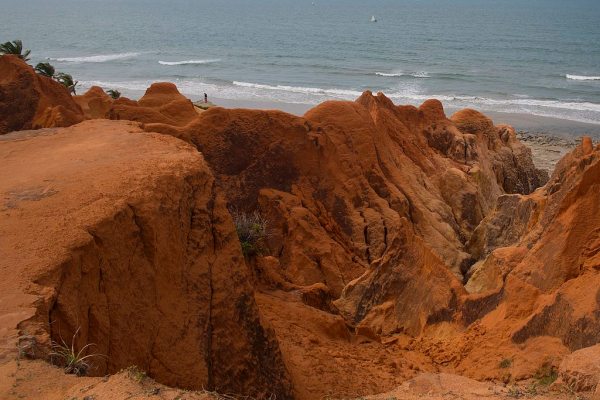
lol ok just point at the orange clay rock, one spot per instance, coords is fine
(581, 369)
(541, 292)
(32, 101)
(162, 103)
(133, 251)
(348, 172)
(95, 103)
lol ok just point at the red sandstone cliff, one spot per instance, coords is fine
(401, 241)
(136, 250)
(31, 101)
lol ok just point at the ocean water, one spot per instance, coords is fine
(538, 57)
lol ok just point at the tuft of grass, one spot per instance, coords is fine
(505, 363)
(515, 392)
(546, 375)
(74, 361)
(136, 373)
(252, 230)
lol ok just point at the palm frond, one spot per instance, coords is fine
(115, 94)
(16, 48)
(67, 81)
(45, 69)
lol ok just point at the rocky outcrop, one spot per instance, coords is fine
(133, 251)
(543, 286)
(162, 103)
(31, 101)
(341, 164)
(94, 103)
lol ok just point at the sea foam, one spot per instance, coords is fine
(300, 89)
(97, 58)
(187, 62)
(582, 77)
(397, 74)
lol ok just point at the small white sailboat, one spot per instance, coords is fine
(373, 19)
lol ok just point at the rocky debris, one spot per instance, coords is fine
(32, 101)
(35, 379)
(441, 386)
(546, 149)
(580, 370)
(133, 251)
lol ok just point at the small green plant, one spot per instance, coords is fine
(115, 94)
(252, 232)
(45, 69)
(505, 363)
(546, 374)
(136, 373)
(67, 81)
(514, 392)
(73, 361)
(15, 48)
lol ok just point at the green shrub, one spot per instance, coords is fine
(546, 375)
(115, 94)
(252, 230)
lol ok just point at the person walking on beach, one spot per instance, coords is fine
(205, 98)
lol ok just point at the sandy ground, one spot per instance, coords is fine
(547, 149)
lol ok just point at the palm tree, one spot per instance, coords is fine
(67, 81)
(15, 47)
(115, 94)
(45, 69)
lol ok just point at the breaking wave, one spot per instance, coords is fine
(583, 77)
(187, 62)
(97, 58)
(299, 89)
(397, 74)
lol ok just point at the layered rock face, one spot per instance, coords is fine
(31, 101)
(133, 251)
(366, 186)
(544, 272)
(413, 199)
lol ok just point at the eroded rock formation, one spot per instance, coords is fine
(133, 251)
(400, 242)
(31, 101)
